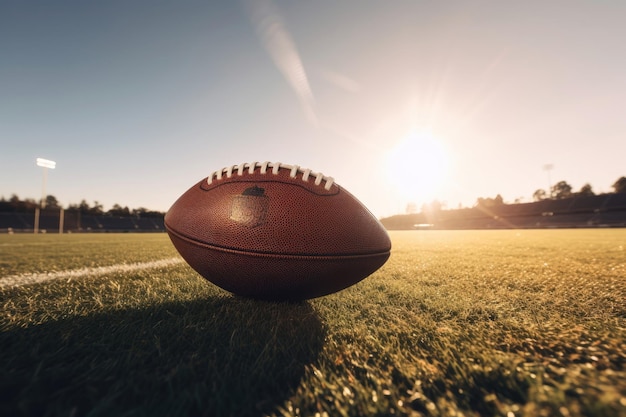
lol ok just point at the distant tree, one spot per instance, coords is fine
(97, 209)
(586, 191)
(28, 204)
(83, 207)
(52, 202)
(490, 202)
(620, 185)
(411, 208)
(118, 210)
(15, 202)
(144, 212)
(16, 205)
(539, 195)
(432, 207)
(561, 190)
(140, 212)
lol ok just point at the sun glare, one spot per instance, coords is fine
(417, 167)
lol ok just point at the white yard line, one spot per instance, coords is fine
(34, 278)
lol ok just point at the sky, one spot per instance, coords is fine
(399, 101)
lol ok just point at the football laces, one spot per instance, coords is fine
(275, 167)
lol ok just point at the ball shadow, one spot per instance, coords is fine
(217, 356)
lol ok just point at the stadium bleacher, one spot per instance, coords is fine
(589, 203)
(75, 222)
(15, 221)
(616, 202)
(605, 210)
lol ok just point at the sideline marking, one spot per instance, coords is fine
(34, 278)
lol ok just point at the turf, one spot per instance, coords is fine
(26, 253)
(513, 323)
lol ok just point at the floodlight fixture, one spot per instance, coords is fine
(46, 163)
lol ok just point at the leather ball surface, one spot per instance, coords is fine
(277, 232)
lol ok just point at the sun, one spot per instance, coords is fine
(417, 167)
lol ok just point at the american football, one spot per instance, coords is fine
(277, 232)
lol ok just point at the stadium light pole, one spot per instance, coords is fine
(548, 168)
(45, 164)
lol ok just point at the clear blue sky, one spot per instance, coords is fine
(399, 101)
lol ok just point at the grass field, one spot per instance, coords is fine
(457, 323)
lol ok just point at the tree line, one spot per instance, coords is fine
(558, 191)
(16, 205)
(561, 190)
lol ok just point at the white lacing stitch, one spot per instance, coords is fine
(276, 167)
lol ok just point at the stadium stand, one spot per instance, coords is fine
(605, 210)
(16, 221)
(75, 222)
(589, 204)
(616, 202)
